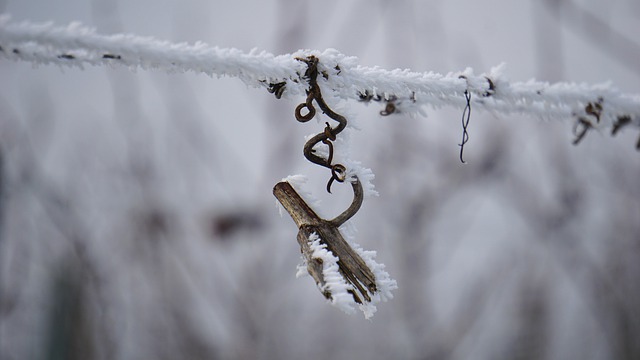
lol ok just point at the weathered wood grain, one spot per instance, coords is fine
(351, 266)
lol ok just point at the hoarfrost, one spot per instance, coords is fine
(334, 281)
(336, 285)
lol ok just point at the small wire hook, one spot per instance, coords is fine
(466, 115)
(329, 134)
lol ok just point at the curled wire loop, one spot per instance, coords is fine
(338, 173)
(329, 134)
(311, 111)
(358, 197)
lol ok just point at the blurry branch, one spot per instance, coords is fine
(68, 332)
(590, 106)
(554, 225)
(224, 225)
(599, 33)
(2, 193)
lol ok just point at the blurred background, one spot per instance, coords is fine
(137, 219)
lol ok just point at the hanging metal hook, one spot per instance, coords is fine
(329, 134)
(314, 93)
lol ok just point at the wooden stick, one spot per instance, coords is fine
(351, 266)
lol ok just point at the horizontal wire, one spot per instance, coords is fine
(78, 46)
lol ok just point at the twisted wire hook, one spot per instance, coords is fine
(466, 115)
(329, 134)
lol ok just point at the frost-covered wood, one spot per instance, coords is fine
(410, 92)
(351, 266)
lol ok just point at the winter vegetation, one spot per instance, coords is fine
(136, 177)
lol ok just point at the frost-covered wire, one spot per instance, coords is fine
(76, 45)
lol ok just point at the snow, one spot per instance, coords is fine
(301, 269)
(365, 175)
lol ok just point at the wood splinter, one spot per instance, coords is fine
(351, 266)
